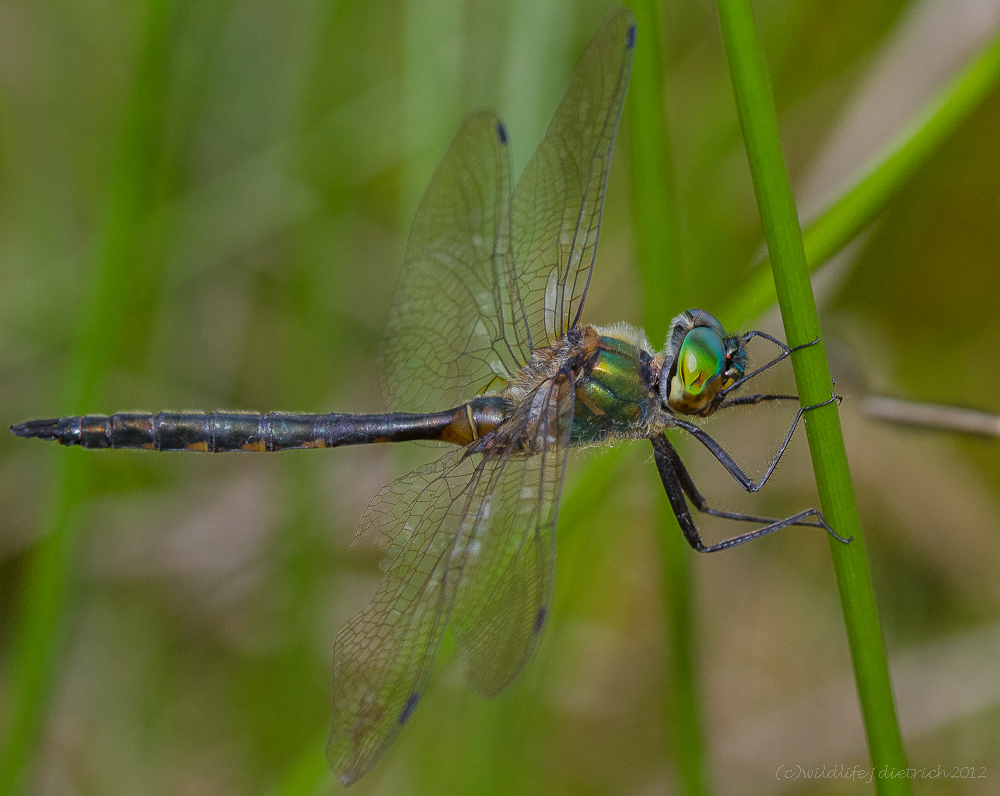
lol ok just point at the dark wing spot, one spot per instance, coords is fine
(540, 618)
(502, 132)
(411, 703)
(630, 37)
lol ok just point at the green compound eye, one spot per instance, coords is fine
(702, 357)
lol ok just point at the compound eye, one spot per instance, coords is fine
(702, 357)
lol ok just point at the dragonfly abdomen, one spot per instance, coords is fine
(221, 432)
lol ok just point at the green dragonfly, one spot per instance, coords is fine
(486, 320)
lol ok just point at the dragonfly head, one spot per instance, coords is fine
(700, 362)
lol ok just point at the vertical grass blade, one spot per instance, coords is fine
(779, 219)
(654, 218)
(104, 327)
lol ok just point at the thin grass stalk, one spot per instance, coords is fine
(657, 236)
(48, 584)
(758, 119)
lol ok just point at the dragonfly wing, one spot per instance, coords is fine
(472, 527)
(507, 562)
(383, 656)
(445, 339)
(560, 195)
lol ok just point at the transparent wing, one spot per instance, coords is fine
(446, 526)
(560, 195)
(474, 298)
(445, 340)
(507, 567)
(383, 656)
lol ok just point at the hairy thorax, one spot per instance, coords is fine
(613, 377)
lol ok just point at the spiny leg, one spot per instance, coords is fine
(753, 400)
(677, 483)
(727, 461)
(756, 333)
(785, 353)
(701, 504)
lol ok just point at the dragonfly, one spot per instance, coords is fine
(486, 320)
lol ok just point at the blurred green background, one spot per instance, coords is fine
(203, 205)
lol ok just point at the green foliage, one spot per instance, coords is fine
(204, 206)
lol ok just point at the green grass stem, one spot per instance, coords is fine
(115, 281)
(779, 219)
(657, 237)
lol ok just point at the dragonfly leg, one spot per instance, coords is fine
(727, 461)
(753, 400)
(756, 333)
(677, 482)
(812, 342)
(785, 353)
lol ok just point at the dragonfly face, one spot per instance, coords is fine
(486, 321)
(701, 363)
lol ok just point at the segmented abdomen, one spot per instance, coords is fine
(220, 432)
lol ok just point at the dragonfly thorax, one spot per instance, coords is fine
(700, 362)
(612, 376)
